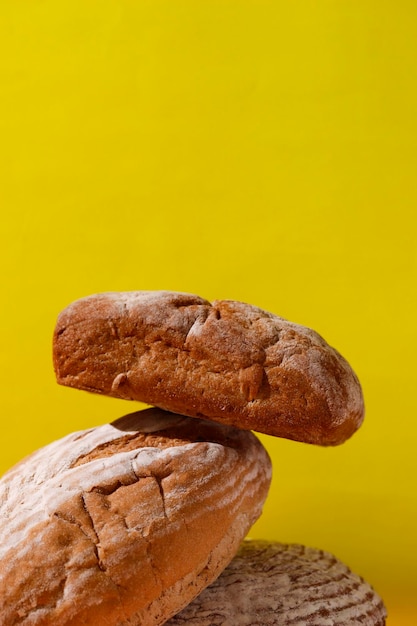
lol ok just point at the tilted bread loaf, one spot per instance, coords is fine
(125, 523)
(274, 584)
(227, 361)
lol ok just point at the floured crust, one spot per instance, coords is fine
(273, 584)
(98, 526)
(227, 361)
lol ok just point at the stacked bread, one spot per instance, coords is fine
(143, 520)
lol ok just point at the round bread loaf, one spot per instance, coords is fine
(227, 361)
(272, 584)
(125, 523)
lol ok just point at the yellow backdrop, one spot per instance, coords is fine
(257, 150)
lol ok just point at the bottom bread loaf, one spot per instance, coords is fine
(273, 584)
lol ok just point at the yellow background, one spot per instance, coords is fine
(261, 150)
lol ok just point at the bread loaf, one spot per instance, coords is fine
(227, 361)
(272, 584)
(125, 523)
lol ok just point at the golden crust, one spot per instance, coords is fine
(98, 526)
(227, 361)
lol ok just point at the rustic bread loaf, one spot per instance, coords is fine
(227, 361)
(272, 584)
(125, 523)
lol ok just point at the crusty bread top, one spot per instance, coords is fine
(125, 523)
(227, 361)
(274, 584)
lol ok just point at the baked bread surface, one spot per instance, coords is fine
(275, 584)
(125, 523)
(227, 361)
